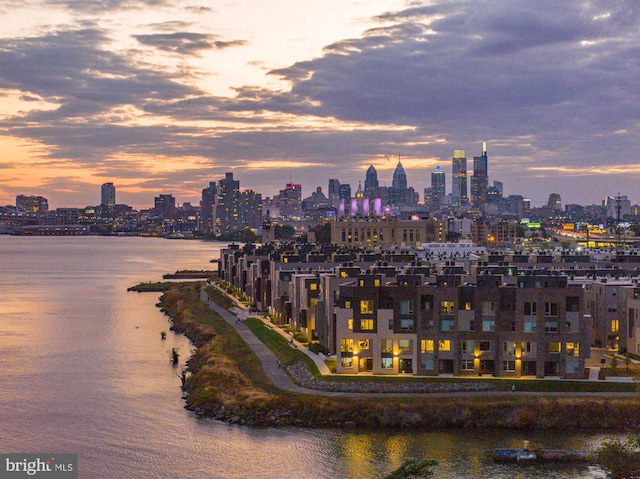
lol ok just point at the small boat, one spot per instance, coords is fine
(526, 455)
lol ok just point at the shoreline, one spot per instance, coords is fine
(219, 385)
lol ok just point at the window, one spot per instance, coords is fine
(426, 302)
(530, 326)
(387, 363)
(366, 306)
(350, 324)
(386, 345)
(509, 348)
(550, 309)
(525, 346)
(467, 346)
(513, 326)
(404, 344)
(426, 346)
(572, 349)
(391, 324)
(346, 362)
(472, 325)
(363, 344)
(426, 362)
(406, 324)
(530, 309)
(346, 345)
(444, 345)
(485, 346)
(554, 347)
(615, 325)
(376, 282)
(366, 325)
(508, 366)
(446, 307)
(551, 326)
(313, 287)
(406, 306)
(347, 304)
(488, 325)
(467, 306)
(573, 304)
(467, 364)
(488, 308)
(446, 325)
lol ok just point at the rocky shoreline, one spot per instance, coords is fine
(224, 381)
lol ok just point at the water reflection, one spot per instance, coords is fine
(84, 371)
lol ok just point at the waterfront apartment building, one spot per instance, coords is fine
(450, 325)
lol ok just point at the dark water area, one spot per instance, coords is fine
(83, 370)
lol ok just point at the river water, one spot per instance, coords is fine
(83, 370)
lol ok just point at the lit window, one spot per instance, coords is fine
(346, 345)
(446, 307)
(386, 345)
(350, 324)
(615, 325)
(426, 346)
(376, 282)
(363, 344)
(444, 345)
(467, 306)
(404, 344)
(313, 287)
(346, 362)
(366, 306)
(554, 347)
(387, 363)
(572, 349)
(366, 324)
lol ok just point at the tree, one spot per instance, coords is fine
(285, 232)
(621, 458)
(413, 469)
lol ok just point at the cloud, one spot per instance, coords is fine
(550, 85)
(185, 43)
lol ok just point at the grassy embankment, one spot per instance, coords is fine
(225, 380)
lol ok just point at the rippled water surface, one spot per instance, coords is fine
(84, 370)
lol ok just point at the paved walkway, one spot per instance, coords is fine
(281, 379)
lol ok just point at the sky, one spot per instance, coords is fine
(165, 96)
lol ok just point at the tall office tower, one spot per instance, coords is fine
(459, 183)
(165, 206)
(251, 210)
(480, 180)
(371, 180)
(208, 208)
(334, 192)
(345, 192)
(32, 204)
(399, 178)
(289, 201)
(108, 195)
(555, 202)
(228, 208)
(438, 188)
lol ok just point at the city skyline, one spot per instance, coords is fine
(168, 97)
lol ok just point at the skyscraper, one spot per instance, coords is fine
(459, 180)
(399, 182)
(438, 188)
(108, 194)
(228, 209)
(208, 208)
(480, 180)
(371, 180)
